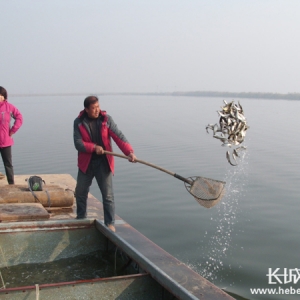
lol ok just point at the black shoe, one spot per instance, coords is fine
(80, 218)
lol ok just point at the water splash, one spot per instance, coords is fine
(218, 244)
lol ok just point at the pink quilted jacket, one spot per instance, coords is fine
(8, 111)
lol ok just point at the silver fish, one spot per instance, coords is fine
(236, 107)
(222, 122)
(209, 126)
(240, 116)
(222, 114)
(216, 128)
(242, 111)
(227, 107)
(228, 158)
(229, 121)
(226, 144)
(240, 126)
(235, 153)
(223, 139)
(234, 157)
(240, 148)
(232, 137)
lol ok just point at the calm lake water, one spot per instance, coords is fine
(256, 225)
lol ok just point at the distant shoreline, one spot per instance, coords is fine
(250, 95)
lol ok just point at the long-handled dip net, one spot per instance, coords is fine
(207, 192)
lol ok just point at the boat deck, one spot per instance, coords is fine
(168, 271)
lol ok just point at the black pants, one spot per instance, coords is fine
(7, 161)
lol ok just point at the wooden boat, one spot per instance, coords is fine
(139, 268)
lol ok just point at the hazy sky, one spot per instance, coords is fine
(66, 46)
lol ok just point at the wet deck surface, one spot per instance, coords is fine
(174, 275)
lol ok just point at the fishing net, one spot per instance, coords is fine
(207, 192)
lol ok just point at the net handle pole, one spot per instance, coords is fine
(151, 165)
(190, 182)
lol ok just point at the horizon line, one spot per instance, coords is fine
(149, 93)
(253, 95)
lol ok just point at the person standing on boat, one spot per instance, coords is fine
(7, 110)
(93, 130)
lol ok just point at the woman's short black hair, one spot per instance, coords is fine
(3, 92)
(89, 100)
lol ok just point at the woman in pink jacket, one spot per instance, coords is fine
(7, 110)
